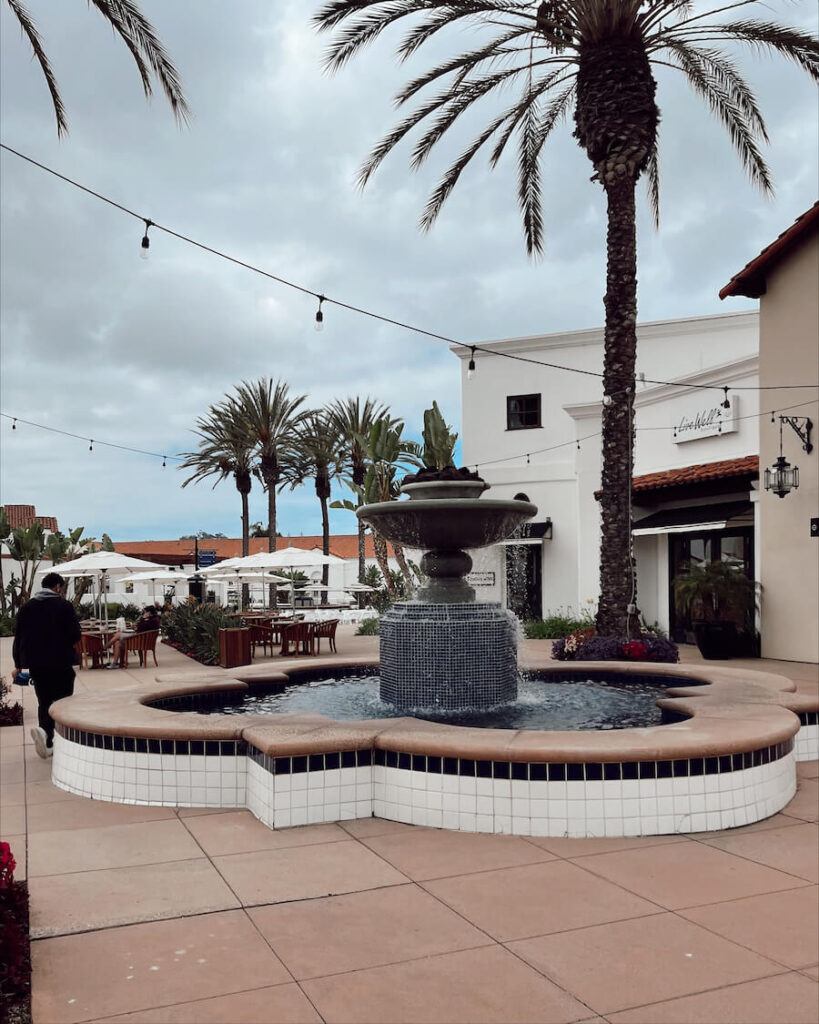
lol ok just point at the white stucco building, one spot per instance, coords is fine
(534, 430)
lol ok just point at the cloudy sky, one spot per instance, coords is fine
(100, 343)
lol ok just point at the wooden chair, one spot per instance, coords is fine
(91, 645)
(325, 631)
(141, 643)
(298, 638)
(261, 636)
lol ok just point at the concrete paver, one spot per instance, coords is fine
(155, 915)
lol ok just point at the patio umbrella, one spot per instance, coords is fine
(156, 576)
(100, 564)
(291, 558)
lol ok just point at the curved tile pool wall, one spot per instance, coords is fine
(628, 798)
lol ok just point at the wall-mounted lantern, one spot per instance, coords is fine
(782, 477)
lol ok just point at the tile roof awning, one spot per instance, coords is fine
(752, 279)
(531, 533)
(691, 520)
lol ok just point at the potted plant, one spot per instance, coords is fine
(719, 597)
(439, 477)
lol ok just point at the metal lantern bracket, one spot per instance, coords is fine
(802, 426)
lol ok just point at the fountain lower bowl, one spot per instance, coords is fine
(730, 763)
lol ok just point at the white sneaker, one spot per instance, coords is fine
(41, 743)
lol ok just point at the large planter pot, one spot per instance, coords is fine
(429, 490)
(716, 640)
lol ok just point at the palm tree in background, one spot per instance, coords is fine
(224, 450)
(318, 453)
(130, 24)
(270, 417)
(592, 59)
(353, 420)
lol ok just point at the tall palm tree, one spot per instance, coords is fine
(270, 416)
(593, 58)
(353, 421)
(26, 544)
(130, 24)
(318, 453)
(224, 450)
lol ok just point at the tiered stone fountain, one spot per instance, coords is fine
(444, 649)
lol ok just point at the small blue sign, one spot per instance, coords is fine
(206, 558)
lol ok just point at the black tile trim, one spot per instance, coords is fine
(591, 771)
(809, 717)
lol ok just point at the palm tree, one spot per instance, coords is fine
(592, 57)
(224, 450)
(5, 530)
(27, 546)
(138, 34)
(317, 451)
(353, 422)
(270, 418)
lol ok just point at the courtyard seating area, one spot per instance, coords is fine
(155, 914)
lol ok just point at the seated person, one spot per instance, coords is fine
(149, 619)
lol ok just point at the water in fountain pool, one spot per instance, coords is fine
(544, 701)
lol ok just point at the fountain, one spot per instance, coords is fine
(444, 649)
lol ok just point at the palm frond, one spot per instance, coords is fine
(29, 30)
(444, 17)
(652, 173)
(724, 106)
(800, 47)
(146, 48)
(370, 20)
(552, 116)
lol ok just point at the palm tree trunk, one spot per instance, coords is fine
(402, 563)
(2, 584)
(380, 546)
(245, 542)
(271, 535)
(617, 578)
(325, 537)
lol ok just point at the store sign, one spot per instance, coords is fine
(706, 421)
(481, 579)
(207, 558)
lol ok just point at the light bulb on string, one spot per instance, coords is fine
(725, 403)
(470, 371)
(91, 445)
(320, 314)
(527, 458)
(163, 461)
(14, 424)
(145, 244)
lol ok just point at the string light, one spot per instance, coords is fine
(145, 244)
(319, 314)
(365, 312)
(527, 458)
(164, 462)
(725, 403)
(14, 425)
(470, 372)
(91, 446)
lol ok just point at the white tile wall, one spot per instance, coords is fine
(595, 808)
(807, 743)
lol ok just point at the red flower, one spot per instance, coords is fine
(635, 650)
(7, 866)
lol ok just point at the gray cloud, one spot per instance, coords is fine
(97, 342)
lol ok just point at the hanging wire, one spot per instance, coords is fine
(369, 313)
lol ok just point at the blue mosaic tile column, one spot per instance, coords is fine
(448, 655)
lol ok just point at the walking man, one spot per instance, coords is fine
(47, 629)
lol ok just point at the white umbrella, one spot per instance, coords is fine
(357, 587)
(101, 564)
(290, 558)
(156, 576)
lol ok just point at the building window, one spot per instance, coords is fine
(522, 411)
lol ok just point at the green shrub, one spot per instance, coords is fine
(7, 623)
(194, 630)
(368, 627)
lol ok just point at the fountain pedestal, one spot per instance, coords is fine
(445, 649)
(448, 655)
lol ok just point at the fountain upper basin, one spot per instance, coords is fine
(447, 523)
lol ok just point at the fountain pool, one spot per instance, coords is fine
(727, 758)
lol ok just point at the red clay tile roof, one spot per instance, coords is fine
(341, 545)
(24, 515)
(750, 281)
(747, 465)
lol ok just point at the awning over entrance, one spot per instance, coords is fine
(531, 533)
(700, 517)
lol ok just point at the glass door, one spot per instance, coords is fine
(524, 580)
(734, 547)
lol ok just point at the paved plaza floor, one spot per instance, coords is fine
(156, 914)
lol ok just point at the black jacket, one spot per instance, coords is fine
(46, 631)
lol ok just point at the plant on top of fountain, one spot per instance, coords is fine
(585, 645)
(438, 451)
